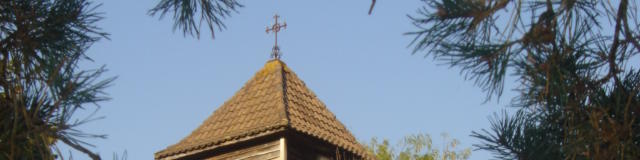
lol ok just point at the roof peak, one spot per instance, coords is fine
(275, 61)
(273, 100)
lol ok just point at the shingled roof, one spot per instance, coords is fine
(274, 100)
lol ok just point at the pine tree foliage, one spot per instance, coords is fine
(575, 61)
(188, 15)
(41, 84)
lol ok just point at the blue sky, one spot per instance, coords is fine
(360, 66)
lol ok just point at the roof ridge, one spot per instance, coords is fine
(285, 101)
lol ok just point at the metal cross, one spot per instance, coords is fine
(275, 28)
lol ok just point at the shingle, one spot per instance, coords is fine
(262, 105)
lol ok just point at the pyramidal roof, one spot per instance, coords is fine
(274, 100)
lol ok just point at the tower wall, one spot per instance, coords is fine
(264, 148)
(302, 147)
(266, 151)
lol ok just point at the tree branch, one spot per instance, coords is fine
(373, 3)
(80, 148)
(622, 9)
(628, 35)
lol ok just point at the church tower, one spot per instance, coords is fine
(273, 116)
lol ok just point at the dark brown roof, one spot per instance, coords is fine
(275, 99)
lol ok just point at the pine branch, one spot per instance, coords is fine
(186, 12)
(80, 148)
(373, 3)
(579, 103)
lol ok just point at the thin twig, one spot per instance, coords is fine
(373, 3)
(80, 148)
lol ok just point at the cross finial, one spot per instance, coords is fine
(275, 28)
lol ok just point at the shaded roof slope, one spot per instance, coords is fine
(275, 99)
